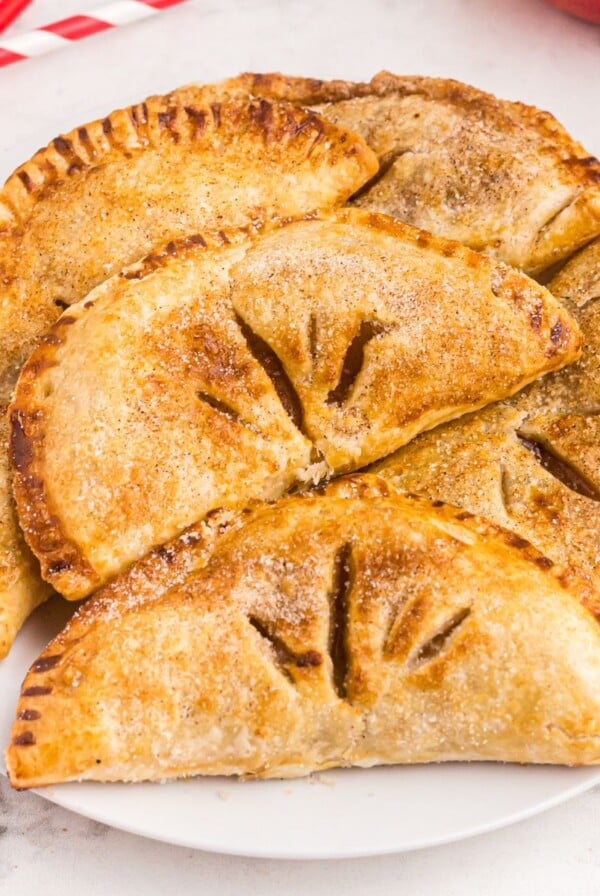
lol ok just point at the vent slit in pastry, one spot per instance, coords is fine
(559, 467)
(505, 488)
(275, 370)
(121, 372)
(554, 504)
(282, 656)
(433, 647)
(401, 620)
(285, 658)
(221, 407)
(386, 162)
(313, 336)
(458, 162)
(338, 618)
(553, 218)
(108, 193)
(192, 675)
(354, 360)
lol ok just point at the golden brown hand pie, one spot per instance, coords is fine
(216, 374)
(355, 627)
(496, 175)
(107, 193)
(532, 463)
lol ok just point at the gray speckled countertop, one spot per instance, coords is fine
(45, 849)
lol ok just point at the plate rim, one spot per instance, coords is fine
(286, 854)
(26, 648)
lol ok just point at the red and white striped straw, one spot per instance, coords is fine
(11, 10)
(61, 34)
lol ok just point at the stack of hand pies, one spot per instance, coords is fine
(284, 396)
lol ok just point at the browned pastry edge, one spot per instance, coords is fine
(58, 554)
(567, 155)
(169, 565)
(135, 127)
(313, 91)
(278, 130)
(541, 443)
(41, 526)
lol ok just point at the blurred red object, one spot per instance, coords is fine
(583, 9)
(11, 10)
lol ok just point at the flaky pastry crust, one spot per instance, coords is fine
(354, 627)
(229, 370)
(496, 175)
(107, 193)
(532, 463)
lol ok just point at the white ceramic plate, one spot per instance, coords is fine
(353, 812)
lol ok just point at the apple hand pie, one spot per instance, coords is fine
(532, 463)
(355, 627)
(106, 194)
(498, 176)
(228, 370)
